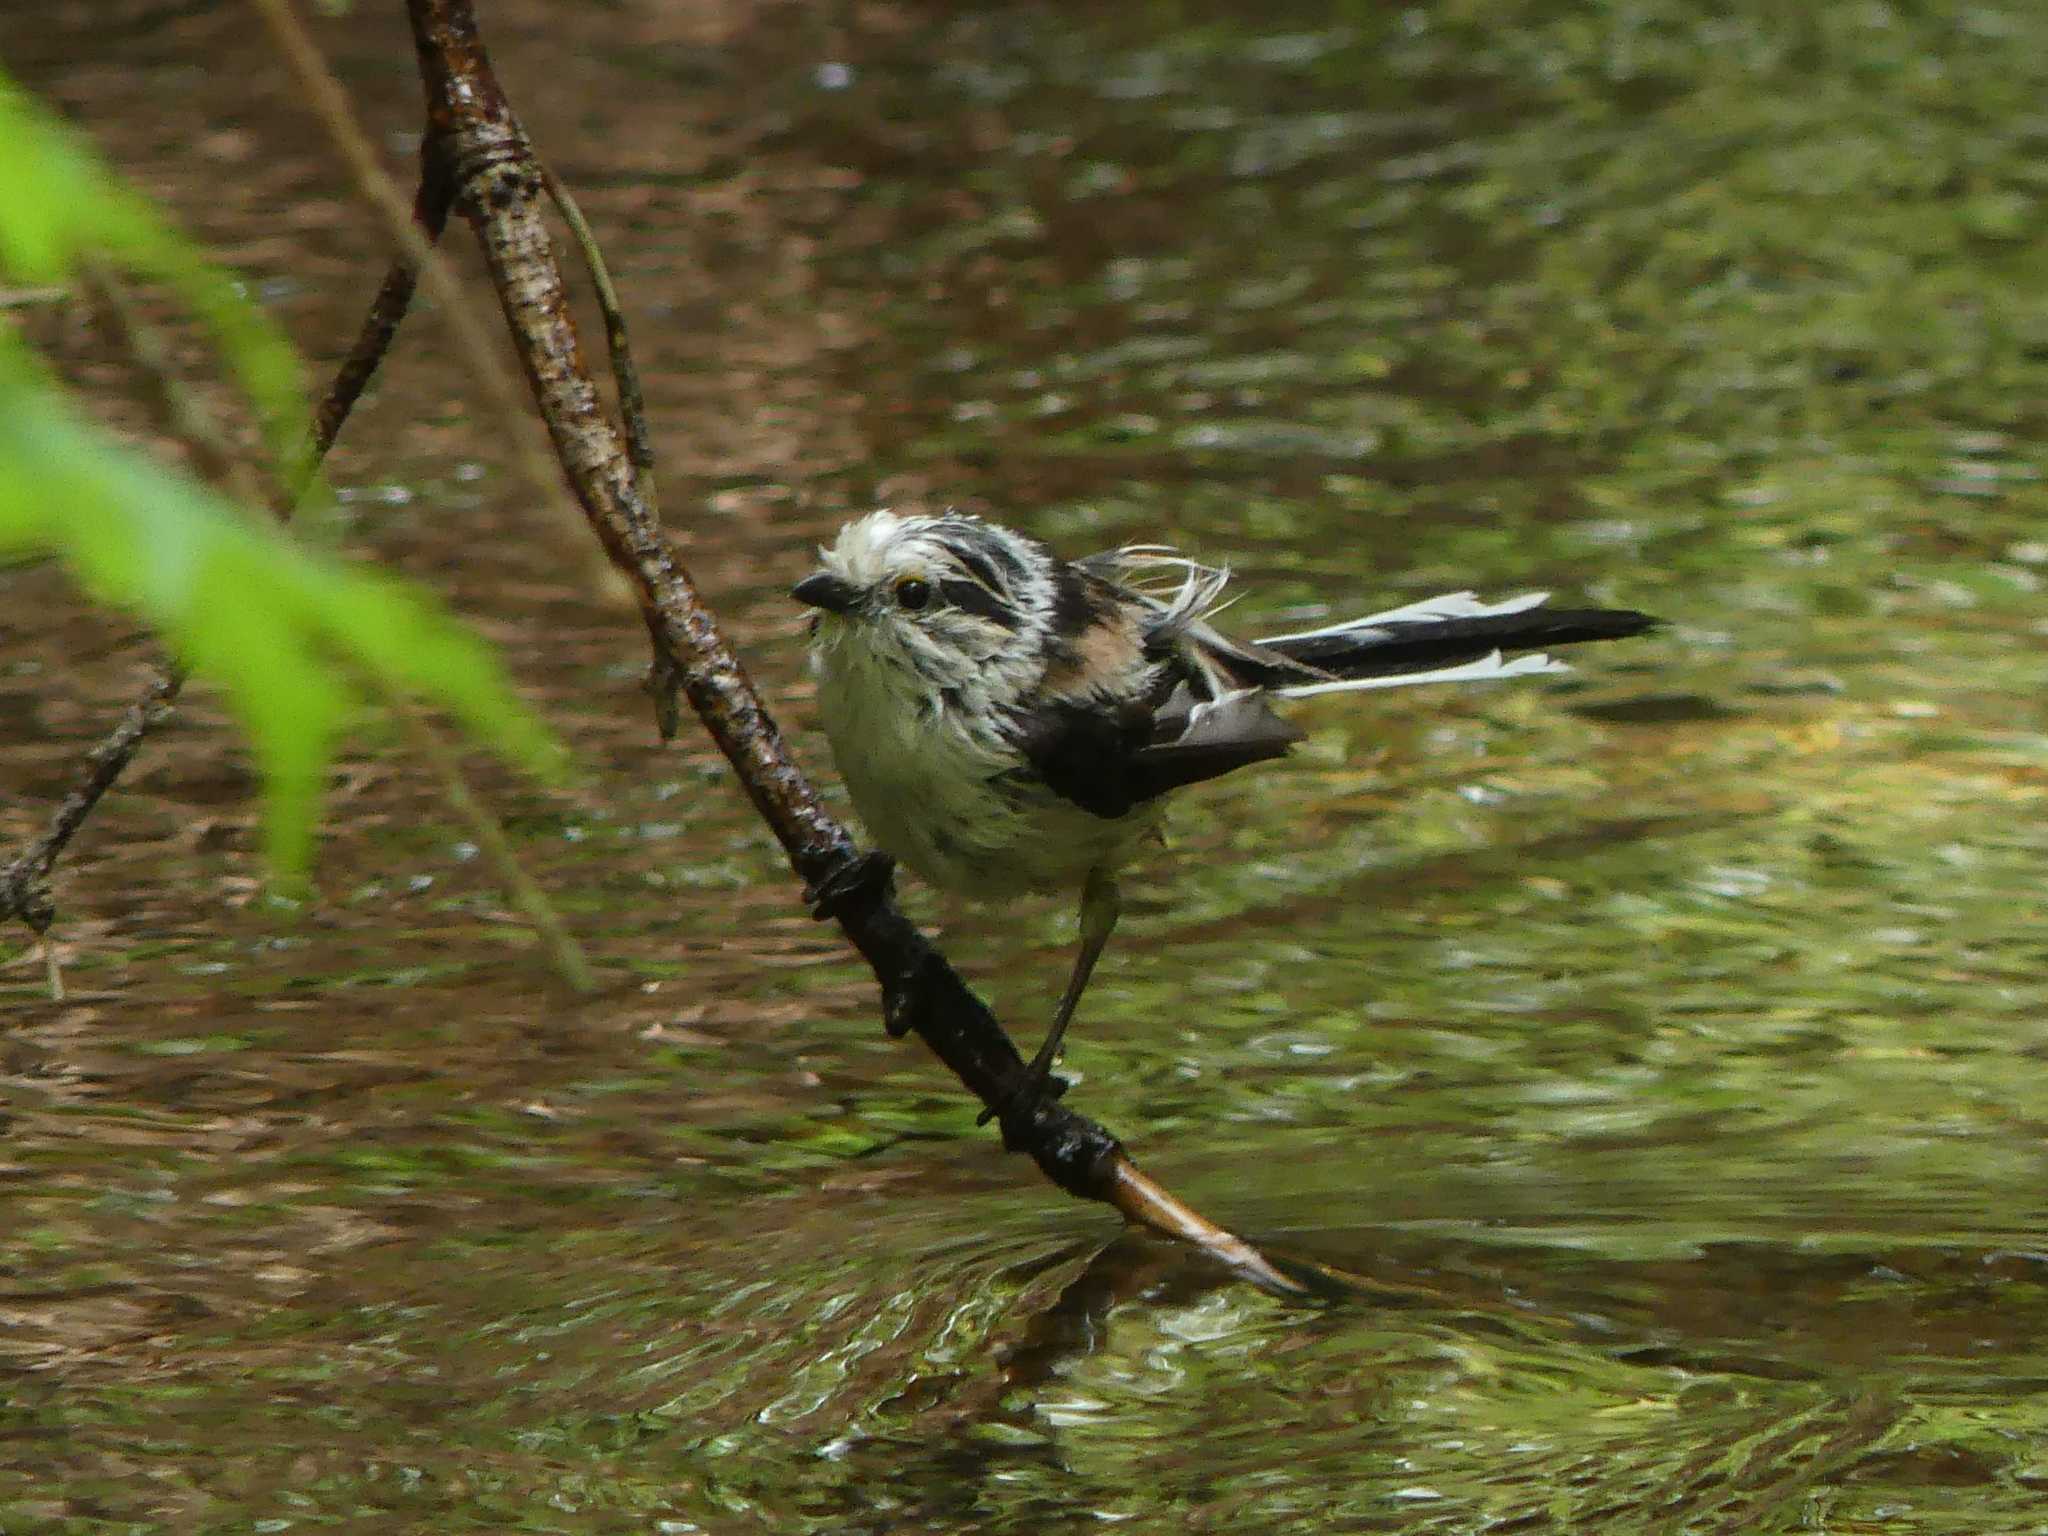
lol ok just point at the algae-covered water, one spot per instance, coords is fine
(1661, 1048)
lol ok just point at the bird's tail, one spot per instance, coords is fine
(1451, 639)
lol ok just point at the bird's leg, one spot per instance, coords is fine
(1101, 905)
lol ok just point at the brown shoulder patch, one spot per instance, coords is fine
(1095, 639)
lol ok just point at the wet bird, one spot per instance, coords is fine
(1008, 721)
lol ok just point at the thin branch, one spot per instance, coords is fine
(394, 297)
(474, 133)
(103, 765)
(632, 404)
(463, 316)
(24, 883)
(664, 681)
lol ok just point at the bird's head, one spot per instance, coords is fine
(940, 595)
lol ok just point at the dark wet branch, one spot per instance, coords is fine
(474, 138)
(380, 325)
(24, 883)
(25, 880)
(464, 321)
(416, 236)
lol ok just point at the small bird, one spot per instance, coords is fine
(1008, 721)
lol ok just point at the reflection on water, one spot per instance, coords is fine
(1651, 1061)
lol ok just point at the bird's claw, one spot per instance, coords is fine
(1039, 1085)
(862, 881)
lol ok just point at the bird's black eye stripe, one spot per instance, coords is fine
(972, 597)
(984, 555)
(979, 566)
(913, 593)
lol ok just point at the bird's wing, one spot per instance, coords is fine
(1205, 712)
(1108, 759)
(1218, 736)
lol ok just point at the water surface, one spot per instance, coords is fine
(1658, 1050)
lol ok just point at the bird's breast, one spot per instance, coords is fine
(940, 786)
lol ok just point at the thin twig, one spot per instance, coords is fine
(664, 681)
(463, 316)
(416, 230)
(632, 404)
(380, 325)
(526, 894)
(24, 886)
(394, 297)
(24, 883)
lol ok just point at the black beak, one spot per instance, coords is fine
(823, 590)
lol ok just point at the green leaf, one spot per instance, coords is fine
(61, 207)
(280, 629)
(240, 603)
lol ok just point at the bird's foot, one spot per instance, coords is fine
(863, 881)
(1037, 1086)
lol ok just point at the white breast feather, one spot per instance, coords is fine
(935, 785)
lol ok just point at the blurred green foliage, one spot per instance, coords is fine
(293, 637)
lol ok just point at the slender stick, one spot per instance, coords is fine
(664, 682)
(24, 882)
(463, 317)
(632, 403)
(394, 297)
(24, 889)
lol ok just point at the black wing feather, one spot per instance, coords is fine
(1109, 761)
(1229, 735)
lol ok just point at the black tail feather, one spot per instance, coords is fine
(1385, 649)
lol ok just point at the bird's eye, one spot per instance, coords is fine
(912, 593)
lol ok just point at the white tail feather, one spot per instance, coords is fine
(1485, 670)
(1452, 605)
